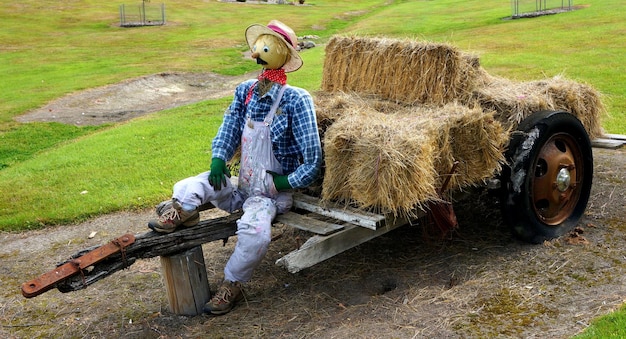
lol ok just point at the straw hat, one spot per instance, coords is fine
(280, 30)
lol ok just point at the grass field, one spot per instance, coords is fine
(52, 173)
(52, 49)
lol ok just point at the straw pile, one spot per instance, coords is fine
(392, 161)
(419, 107)
(516, 101)
(403, 71)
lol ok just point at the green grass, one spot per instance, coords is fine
(53, 50)
(129, 164)
(609, 326)
(19, 144)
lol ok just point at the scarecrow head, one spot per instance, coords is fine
(274, 46)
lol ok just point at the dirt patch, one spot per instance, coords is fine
(482, 283)
(135, 97)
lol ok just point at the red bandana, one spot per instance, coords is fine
(274, 75)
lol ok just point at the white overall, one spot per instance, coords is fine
(256, 194)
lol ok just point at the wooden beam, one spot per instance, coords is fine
(152, 244)
(347, 214)
(319, 248)
(308, 224)
(616, 136)
(332, 238)
(607, 143)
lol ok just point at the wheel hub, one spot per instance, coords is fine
(563, 180)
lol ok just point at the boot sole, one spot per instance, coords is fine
(208, 310)
(160, 230)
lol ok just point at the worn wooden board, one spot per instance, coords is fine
(308, 224)
(616, 136)
(152, 244)
(350, 228)
(352, 215)
(319, 248)
(607, 143)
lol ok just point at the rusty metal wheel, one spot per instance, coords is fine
(548, 181)
(555, 188)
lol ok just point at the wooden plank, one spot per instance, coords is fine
(313, 204)
(152, 244)
(351, 215)
(308, 224)
(607, 143)
(319, 248)
(616, 136)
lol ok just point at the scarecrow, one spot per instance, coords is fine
(276, 127)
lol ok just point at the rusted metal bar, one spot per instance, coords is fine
(69, 276)
(75, 266)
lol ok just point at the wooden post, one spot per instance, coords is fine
(186, 282)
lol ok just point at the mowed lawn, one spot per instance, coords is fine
(53, 49)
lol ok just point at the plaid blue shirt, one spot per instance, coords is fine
(295, 138)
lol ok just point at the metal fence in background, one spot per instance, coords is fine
(530, 8)
(144, 14)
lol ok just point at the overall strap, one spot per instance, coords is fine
(270, 116)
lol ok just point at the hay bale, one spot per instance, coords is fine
(415, 72)
(394, 162)
(329, 107)
(477, 141)
(395, 114)
(582, 100)
(380, 161)
(514, 101)
(403, 71)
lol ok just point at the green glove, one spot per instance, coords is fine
(219, 172)
(280, 181)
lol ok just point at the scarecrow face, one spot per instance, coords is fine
(270, 51)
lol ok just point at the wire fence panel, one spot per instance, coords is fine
(530, 8)
(144, 14)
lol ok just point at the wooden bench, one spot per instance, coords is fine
(334, 230)
(330, 229)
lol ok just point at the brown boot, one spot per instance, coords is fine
(227, 295)
(172, 215)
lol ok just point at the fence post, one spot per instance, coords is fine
(162, 14)
(122, 15)
(142, 13)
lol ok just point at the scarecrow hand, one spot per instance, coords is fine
(219, 172)
(280, 181)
